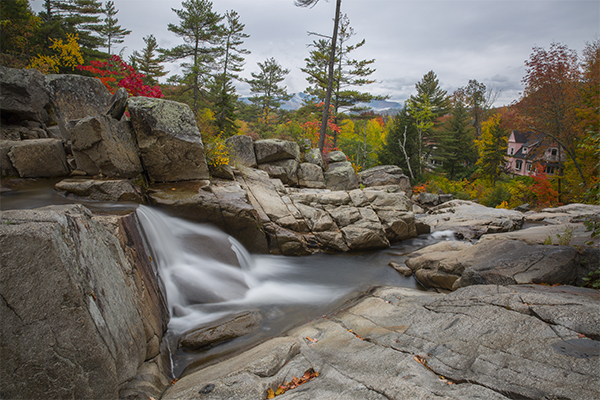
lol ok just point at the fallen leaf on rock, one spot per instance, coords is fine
(581, 335)
(311, 340)
(308, 376)
(421, 360)
(174, 381)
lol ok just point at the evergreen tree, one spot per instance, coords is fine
(330, 66)
(199, 29)
(455, 144)
(348, 72)
(268, 95)
(428, 89)
(492, 148)
(478, 101)
(230, 62)
(111, 32)
(147, 62)
(19, 26)
(401, 146)
(83, 17)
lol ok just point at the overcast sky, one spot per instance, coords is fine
(487, 40)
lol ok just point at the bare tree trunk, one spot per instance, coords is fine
(406, 157)
(330, 76)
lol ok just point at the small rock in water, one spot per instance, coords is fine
(222, 330)
(403, 269)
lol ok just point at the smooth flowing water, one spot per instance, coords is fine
(209, 275)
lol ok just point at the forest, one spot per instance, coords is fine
(444, 142)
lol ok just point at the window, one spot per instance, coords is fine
(518, 165)
(550, 169)
(512, 151)
(524, 150)
(554, 152)
(528, 167)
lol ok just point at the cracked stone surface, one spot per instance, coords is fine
(479, 342)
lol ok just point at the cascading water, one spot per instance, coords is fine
(208, 275)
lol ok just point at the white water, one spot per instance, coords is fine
(208, 274)
(192, 277)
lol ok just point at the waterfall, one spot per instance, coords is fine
(208, 273)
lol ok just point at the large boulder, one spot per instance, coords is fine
(498, 262)
(102, 144)
(384, 175)
(285, 170)
(313, 156)
(336, 156)
(341, 176)
(37, 158)
(73, 97)
(241, 151)
(70, 322)
(23, 94)
(310, 176)
(168, 138)
(480, 342)
(472, 220)
(269, 150)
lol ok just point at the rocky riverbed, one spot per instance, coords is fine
(84, 310)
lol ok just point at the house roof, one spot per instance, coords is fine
(522, 137)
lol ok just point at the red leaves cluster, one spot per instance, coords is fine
(308, 376)
(542, 187)
(313, 128)
(117, 73)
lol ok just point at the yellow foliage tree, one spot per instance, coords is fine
(67, 55)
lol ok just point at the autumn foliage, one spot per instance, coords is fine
(542, 188)
(308, 376)
(116, 73)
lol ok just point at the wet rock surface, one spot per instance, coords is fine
(492, 342)
(222, 330)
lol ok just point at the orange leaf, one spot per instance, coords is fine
(270, 394)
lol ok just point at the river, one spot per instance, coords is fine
(208, 274)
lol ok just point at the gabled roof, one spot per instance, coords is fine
(522, 137)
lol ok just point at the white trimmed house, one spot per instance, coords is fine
(524, 152)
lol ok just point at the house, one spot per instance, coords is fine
(525, 150)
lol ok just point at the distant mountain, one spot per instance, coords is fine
(379, 106)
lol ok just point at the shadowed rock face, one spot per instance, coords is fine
(79, 313)
(478, 342)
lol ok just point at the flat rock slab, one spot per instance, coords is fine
(502, 262)
(481, 342)
(100, 189)
(471, 219)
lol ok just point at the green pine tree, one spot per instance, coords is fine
(268, 95)
(111, 32)
(230, 62)
(401, 146)
(455, 145)
(147, 62)
(200, 31)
